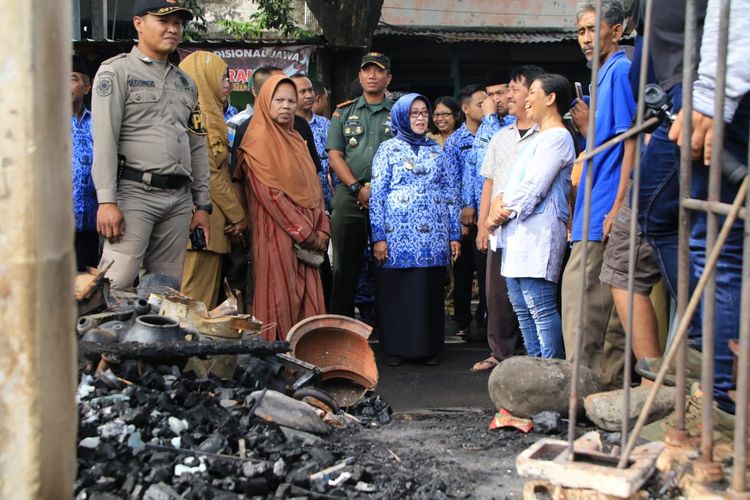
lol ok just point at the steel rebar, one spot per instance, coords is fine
(686, 164)
(589, 182)
(634, 204)
(682, 328)
(708, 342)
(739, 471)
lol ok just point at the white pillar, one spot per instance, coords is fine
(38, 417)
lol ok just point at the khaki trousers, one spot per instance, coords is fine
(157, 228)
(201, 276)
(603, 343)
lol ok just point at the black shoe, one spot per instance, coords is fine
(393, 360)
(432, 361)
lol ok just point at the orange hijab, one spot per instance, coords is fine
(277, 154)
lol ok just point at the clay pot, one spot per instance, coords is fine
(339, 346)
(151, 328)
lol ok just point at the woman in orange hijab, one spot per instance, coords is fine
(289, 227)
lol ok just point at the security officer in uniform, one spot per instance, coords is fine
(150, 162)
(357, 129)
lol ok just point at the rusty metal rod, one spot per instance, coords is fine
(686, 165)
(635, 191)
(682, 328)
(589, 182)
(708, 342)
(716, 207)
(631, 132)
(739, 471)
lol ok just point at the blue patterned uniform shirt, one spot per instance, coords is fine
(84, 192)
(458, 152)
(320, 125)
(414, 205)
(229, 112)
(473, 181)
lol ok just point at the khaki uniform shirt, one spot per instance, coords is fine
(357, 129)
(143, 109)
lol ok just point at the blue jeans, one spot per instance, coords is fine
(535, 302)
(658, 211)
(729, 267)
(659, 206)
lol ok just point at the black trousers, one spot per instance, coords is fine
(87, 250)
(410, 311)
(470, 260)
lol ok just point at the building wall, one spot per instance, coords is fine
(481, 13)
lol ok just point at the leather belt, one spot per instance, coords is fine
(158, 181)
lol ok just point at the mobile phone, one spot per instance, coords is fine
(579, 90)
(198, 239)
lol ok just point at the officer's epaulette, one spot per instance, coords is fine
(112, 59)
(344, 104)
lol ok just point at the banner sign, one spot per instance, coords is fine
(243, 61)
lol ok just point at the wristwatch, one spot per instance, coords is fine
(208, 208)
(355, 187)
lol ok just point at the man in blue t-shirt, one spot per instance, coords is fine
(602, 347)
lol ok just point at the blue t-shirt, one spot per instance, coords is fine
(615, 109)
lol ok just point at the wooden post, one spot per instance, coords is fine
(38, 417)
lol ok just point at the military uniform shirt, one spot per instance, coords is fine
(357, 129)
(147, 111)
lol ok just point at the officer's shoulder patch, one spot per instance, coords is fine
(195, 123)
(104, 84)
(345, 103)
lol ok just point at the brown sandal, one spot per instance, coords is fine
(484, 365)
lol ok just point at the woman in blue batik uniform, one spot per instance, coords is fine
(416, 229)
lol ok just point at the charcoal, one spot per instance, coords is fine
(160, 491)
(322, 457)
(167, 435)
(254, 469)
(372, 410)
(548, 422)
(255, 486)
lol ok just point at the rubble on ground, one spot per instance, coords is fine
(604, 409)
(525, 386)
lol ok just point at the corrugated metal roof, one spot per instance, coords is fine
(447, 34)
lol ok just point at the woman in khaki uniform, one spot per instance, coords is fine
(202, 270)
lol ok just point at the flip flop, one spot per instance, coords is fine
(484, 365)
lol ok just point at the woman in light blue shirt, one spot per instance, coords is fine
(532, 219)
(416, 229)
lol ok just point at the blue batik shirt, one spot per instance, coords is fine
(84, 192)
(414, 205)
(320, 125)
(229, 112)
(615, 108)
(473, 181)
(458, 153)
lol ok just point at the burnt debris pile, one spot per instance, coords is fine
(150, 431)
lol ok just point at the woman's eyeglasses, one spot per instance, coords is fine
(417, 114)
(441, 115)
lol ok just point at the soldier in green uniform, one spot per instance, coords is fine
(357, 129)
